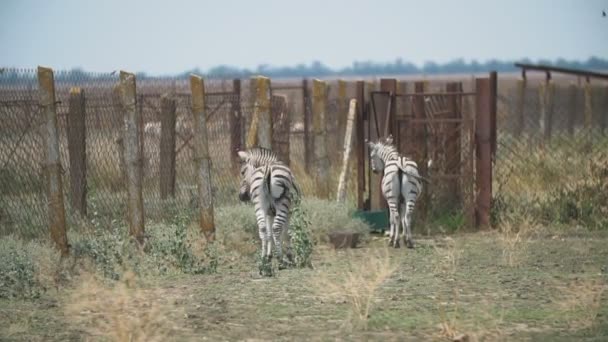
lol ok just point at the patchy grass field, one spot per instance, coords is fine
(551, 285)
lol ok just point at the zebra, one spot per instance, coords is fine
(271, 186)
(401, 186)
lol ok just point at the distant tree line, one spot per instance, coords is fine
(318, 69)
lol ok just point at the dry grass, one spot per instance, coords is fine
(356, 283)
(122, 311)
(515, 233)
(580, 301)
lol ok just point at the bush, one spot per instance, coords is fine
(328, 216)
(27, 270)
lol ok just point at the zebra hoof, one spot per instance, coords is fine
(396, 244)
(409, 244)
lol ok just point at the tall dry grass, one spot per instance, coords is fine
(121, 311)
(357, 282)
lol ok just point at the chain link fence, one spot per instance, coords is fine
(229, 106)
(552, 149)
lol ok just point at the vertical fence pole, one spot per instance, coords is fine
(343, 181)
(306, 122)
(342, 111)
(132, 154)
(235, 123)
(360, 144)
(321, 161)
(77, 150)
(56, 207)
(452, 141)
(483, 130)
(262, 91)
(521, 106)
(280, 127)
(493, 110)
(419, 143)
(546, 91)
(588, 105)
(167, 146)
(201, 157)
(572, 95)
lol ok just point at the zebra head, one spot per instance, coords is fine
(377, 163)
(246, 171)
(380, 152)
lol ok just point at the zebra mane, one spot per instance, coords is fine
(387, 151)
(259, 156)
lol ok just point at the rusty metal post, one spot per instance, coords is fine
(236, 120)
(56, 207)
(572, 101)
(167, 146)
(420, 153)
(344, 175)
(521, 106)
(132, 154)
(321, 160)
(546, 93)
(483, 131)
(306, 121)
(201, 157)
(77, 150)
(588, 105)
(360, 144)
(493, 109)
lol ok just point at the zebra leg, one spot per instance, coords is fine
(280, 222)
(394, 221)
(262, 232)
(407, 223)
(268, 237)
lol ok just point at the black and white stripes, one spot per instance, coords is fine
(401, 185)
(271, 186)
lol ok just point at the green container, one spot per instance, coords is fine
(377, 219)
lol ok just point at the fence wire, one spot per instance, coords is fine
(552, 144)
(23, 198)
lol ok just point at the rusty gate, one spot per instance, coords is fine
(448, 125)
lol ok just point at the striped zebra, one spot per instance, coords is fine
(401, 186)
(271, 186)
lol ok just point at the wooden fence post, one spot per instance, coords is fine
(306, 121)
(56, 207)
(133, 154)
(343, 181)
(262, 116)
(167, 146)
(360, 144)
(235, 124)
(521, 106)
(77, 150)
(483, 130)
(572, 95)
(321, 160)
(343, 107)
(493, 110)
(201, 157)
(280, 127)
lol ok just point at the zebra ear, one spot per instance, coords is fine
(369, 143)
(389, 139)
(243, 155)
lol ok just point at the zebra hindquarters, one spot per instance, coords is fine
(392, 194)
(410, 189)
(281, 183)
(262, 202)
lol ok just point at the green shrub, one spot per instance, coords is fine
(329, 216)
(299, 233)
(27, 269)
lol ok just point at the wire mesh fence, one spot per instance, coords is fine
(552, 144)
(229, 107)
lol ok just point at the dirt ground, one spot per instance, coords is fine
(549, 287)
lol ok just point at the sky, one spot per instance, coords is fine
(168, 37)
